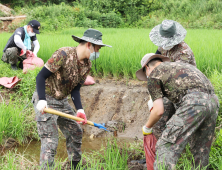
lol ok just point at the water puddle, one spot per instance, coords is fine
(32, 150)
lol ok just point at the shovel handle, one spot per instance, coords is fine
(55, 112)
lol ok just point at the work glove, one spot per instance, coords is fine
(146, 130)
(22, 52)
(81, 114)
(150, 104)
(41, 105)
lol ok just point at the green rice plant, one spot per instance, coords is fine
(129, 46)
(12, 122)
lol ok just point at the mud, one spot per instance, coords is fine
(120, 104)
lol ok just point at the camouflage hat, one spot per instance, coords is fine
(168, 33)
(91, 35)
(140, 74)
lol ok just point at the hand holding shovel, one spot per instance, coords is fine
(55, 112)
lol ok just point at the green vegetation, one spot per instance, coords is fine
(121, 61)
(60, 14)
(129, 46)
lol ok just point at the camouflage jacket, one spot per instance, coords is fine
(179, 53)
(174, 80)
(67, 72)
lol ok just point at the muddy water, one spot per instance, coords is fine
(32, 150)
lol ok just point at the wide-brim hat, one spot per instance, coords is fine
(140, 74)
(168, 33)
(91, 35)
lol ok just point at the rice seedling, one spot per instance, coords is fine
(129, 46)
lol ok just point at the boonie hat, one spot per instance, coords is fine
(168, 33)
(35, 25)
(91, 35)
(140, 74)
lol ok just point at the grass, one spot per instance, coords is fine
(129, 46)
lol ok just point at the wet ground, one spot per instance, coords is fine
(32, 149)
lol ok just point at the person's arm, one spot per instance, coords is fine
(37, 47)
(18, 41)
(155, 90)
(75, 95)
(156, 113)
(40, 82)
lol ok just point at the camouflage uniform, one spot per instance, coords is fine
(179, 53)
(12, 56)
(196, 112)
(67, 73)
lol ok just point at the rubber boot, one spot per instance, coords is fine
(74, 165)
(21, 65)
(14, 67)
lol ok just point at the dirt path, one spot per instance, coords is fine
(122, 102)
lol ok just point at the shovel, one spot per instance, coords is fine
(55, 112)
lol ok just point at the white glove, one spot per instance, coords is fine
(81, 114)
(150, 104)
(147, 131)
(41, 105)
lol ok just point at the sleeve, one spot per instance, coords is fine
(18, 42)
(56, 61)
(184, 58)
(40, 82)
(37, 47)
(75, 95)
(154, 88)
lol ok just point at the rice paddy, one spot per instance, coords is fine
(129, 46)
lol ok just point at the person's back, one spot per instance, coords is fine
(178, 79)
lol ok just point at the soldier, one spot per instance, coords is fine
(169, 37)
(19, 42)
(63, 74)
(196, 109)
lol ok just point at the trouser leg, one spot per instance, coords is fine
(11, 56)
(73, 133)
(169, 110)
(189, 117)
(48, 133)
(201, 141)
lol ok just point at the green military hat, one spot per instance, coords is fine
(91, 35)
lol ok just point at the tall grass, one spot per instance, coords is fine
(12, 122)
(129, 46)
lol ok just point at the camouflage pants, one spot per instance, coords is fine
(193, 121)
(12, 56)
(48, 124)
(160, 126)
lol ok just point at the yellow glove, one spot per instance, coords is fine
(146, 130)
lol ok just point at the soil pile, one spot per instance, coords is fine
(121, 105)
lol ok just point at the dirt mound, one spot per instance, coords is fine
(9, 22)
(119, 101)
(5, 10)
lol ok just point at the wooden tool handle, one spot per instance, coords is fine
(55, 112)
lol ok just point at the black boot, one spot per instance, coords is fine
(74, 165)
(21, 65)
(14, 67)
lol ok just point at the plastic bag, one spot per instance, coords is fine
(149, 143)
(31, 62)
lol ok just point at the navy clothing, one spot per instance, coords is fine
(21, 32)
